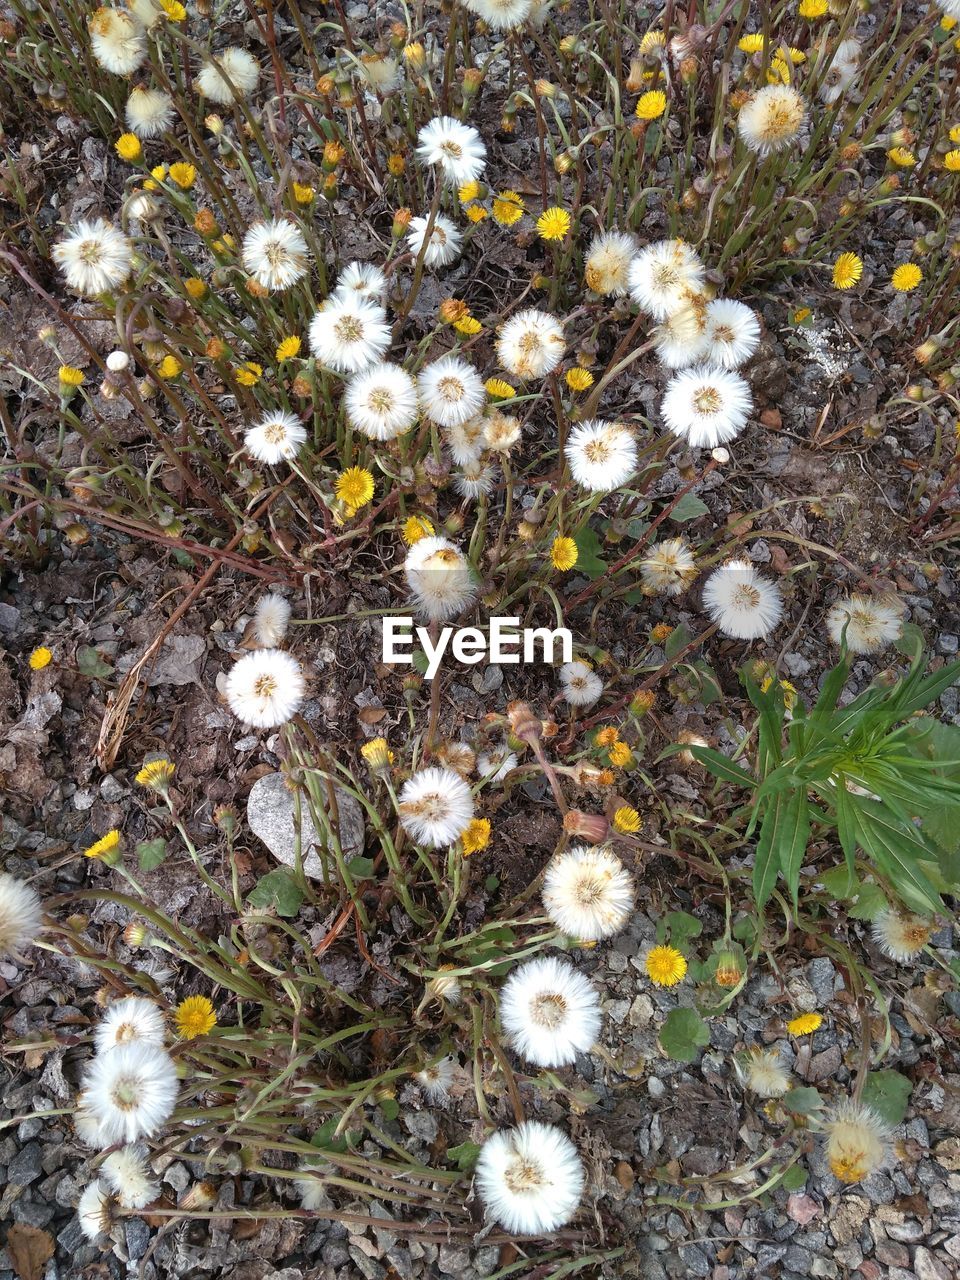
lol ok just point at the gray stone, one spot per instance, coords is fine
(422, 1124)
(271, 813)
(927, 1266)
(908, 1232)
(695, 1259)
(892, 1254)
(454, 1259)
(25, 1166)
(138, 1237)
(9, 618)
(822, 976)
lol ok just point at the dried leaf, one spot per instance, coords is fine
(30, 1249)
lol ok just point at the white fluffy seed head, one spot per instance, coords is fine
(349, 333)
(117, 41)
(869, 623)
(608, 261)
(602, 456)
(844, 67)
(856, 1141)
(277, 437)
(436, 1079)
(450, 391)
(503, 15)
(436, 807)
(771, 119)
(494, 765)
(95, 257)
(466, 440)
(381, 402)
(531, 344)
(530, 1178)
(95, 1210)
(682, 338)
(131, 1091)
(580, 683)
(233, 70)
(275, 254)
(743, 604)
(706, 406)
(501, 431)
(733, 333)
(149, 112)
(550, 1012)
(668, 567)
(764, 1074)
(363, 279)
(662, 275)
(443, 247)
(455, 149)
(129, 1021)
(475, 479)
(265, 688)
(588, 893)
(21, 915)
(900, 934)
(271, 619)
(128, 1175)
(439, 577)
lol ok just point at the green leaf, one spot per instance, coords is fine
(389, 1108)
(871, 900)
(324, 1139)
(897, 852)
(589, 561)
(151, 853)
(492, 884)
(360, 868)
(677, 640)
(887, 1093)
(682, 926)
(464, 1156)
(910, 641)
(690, 507)
(846, 831)
(721, 767)
(795, 1178)
(683, 1034)
(90, 663)
(277, 889)
(781, 845)
(803, 1102)
(420, 661)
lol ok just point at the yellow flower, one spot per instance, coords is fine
(156, 775)
(801, 314)
(906, 277)
(901, 157)
(752, 42)
(476, 836)
(847, 270)
(951, 161)
(789, 691)
(954, 134)
(579, 379)
(621, 755)
(354, 488)
(184, 175)
(500, 389)
(303, 193)
(469, 191)
(169, 367)
(553, 223)
(377, 754)
(652, 105)
(508, 208)
(128, 147)
(947, 23)
(415, 528)
(804, 1024)
(415, 55)
(174, 10)
(476, 212)
(626, 820)
(69, 376)
(607, 737)
(778, 72)
(813, 8)
(194, 1017)
(468, 325)
(195, 287)
(157, 175)
(662, 631)
(107, 848)
(288, 348)
(40, 658)
(563, 554)
(652, 40)
(249, 373)
(396, 164)
(666, 966)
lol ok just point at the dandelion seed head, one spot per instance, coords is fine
(277, 437)
(549, 1011)
(95, 257)
(743, 604)
(856, 1141)
(733, 333)
(117, 41)
(455, 149)
(706, 406)
(436, 807)
(149, 112)
(275, 254)
(128, 1175)
(602, 456)
(531, 344)
(450, 391)
(443, 247)
(21, 915)
(662, 275)
(587, 893)
(530, 1178)
(232, 70)
(669, 567)
(132, 1020)
(901, 935)
(870, 623)
(131, 1090)
(771, 119)
(607, 265)
(439, 578)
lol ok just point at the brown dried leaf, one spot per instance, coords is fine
(371, 715)
(30, 1249)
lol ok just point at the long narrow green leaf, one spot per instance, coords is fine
(781, 829)
(795, 838)
(847, 831)
(898, 851)
(826, 704)
(722, 767)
